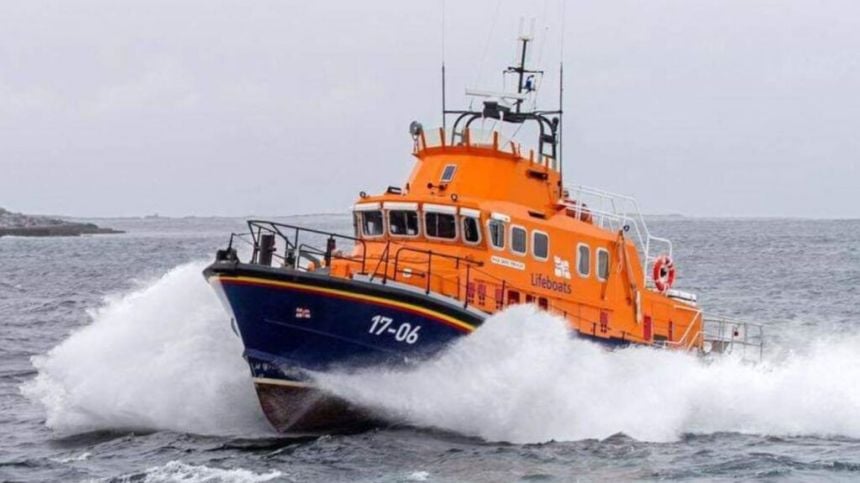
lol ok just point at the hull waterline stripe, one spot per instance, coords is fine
(350, 296)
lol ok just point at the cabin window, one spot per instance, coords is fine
(497, 233)
(583, 260)
(543, 303)
(448, 173)
(440, 225)
(403, 223)
(371, 223)
(471, 230)
(513, 297)
(518, 240)
(540, 245)
(602, 264)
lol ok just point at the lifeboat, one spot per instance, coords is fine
(484, 222)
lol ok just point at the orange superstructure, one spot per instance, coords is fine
(488, 222)
(490, 225)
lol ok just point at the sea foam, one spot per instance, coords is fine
(160, 357)
(177, 471)
(164, 357)
(523, 378)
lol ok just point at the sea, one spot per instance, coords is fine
(117, 363)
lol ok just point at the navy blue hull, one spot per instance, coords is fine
(293, 322)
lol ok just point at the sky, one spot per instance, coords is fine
(703, 108)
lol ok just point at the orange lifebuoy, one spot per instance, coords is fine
(663, 273)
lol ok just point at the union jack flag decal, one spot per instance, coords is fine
(303, 313)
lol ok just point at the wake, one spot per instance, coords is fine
(164, 358)
(522, 378)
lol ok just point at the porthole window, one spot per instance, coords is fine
(602, 264)
(471, 230)
(440, 225)
(403, 223)
(518, 240)
(583, 260)
(371, 223)
(497, 233)
(540, 245)
(448, 173)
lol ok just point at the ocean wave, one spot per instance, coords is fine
(161, 357)
(523, 378)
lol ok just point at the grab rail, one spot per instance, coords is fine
(291, 241)
(430, 254)
(728, 335)
(615, 212)
(723, 335)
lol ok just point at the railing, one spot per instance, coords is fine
(615, 212)
(436, 271)
(293, 248)
(691, 338)
(482, 138)
(459, 278)
(728, 336)
(430, 254)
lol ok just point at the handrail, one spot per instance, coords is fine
(620, 210)
(292, 245)
(493, 296)
(430, 254)
(739, 334)
(681, 342)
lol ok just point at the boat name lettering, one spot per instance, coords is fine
(542, 281)
(507, 262)
(405, 332)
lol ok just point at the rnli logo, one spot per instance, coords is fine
(562, 267)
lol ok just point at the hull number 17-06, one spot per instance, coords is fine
(405, 332)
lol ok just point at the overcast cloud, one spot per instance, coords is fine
(707, 107)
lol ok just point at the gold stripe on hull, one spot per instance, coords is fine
(349, 295)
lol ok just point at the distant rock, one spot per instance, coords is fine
(17, 224)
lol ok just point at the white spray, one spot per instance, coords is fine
(162, 357)
(522, 378)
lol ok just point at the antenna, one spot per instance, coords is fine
(561, 97)
(507, 107)
(443, 68)
(520, 70)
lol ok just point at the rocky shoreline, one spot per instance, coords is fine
(18, 224)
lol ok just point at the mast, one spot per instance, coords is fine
(444, 110)
(560, 119)
(507, 107)
(520, 70)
